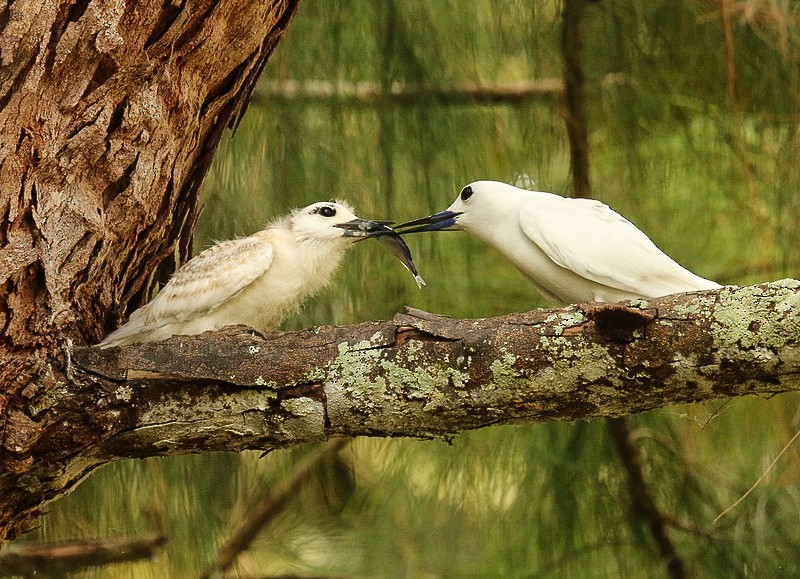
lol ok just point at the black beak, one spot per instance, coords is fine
(365, 228)
(436, 222)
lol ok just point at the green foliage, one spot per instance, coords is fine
(704, 162)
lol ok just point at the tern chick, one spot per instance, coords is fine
(257, 280)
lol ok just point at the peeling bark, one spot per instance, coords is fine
(419, 375)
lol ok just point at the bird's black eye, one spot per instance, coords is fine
(326, 211)
(466, 193)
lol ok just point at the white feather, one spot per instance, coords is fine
(573, 249)
(257, 280)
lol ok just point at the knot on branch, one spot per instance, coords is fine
(620, 323)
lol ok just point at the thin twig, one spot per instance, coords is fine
(715, 413)
(269, 507)
(758, 482)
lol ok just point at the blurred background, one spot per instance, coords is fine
(693, 116)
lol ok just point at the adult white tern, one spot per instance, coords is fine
(573, 250)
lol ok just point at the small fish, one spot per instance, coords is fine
(397, 245)
(391, 240)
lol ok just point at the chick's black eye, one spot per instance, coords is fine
(327, 211)
(466, 193)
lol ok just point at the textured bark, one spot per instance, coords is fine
(110, 113)
(420, 375)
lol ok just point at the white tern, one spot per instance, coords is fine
(257, 280)
(573, 250)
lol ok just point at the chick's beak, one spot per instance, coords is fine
(365, 228)
(438, 221)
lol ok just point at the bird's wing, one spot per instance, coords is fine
(210, 279)
(597, 243)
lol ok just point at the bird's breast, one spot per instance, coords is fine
(560, 285)
(295, 274)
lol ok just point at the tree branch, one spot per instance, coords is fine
(269, 507)
(572, 41)
(369, 93)
(642, 501)
(56, 559)
(419, 375)
(110, 114)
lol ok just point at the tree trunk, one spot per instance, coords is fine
(110, 113)
(420, 375)
(575, 96)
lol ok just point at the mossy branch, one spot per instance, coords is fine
(425, 375)
(419, 375)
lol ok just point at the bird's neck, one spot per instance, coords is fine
(318, 257)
